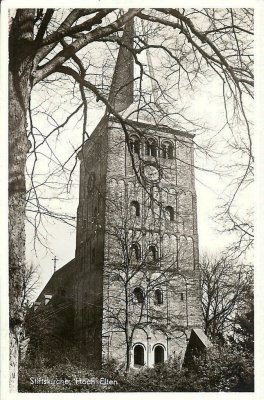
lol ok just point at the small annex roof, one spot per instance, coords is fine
(200, 337)
(197, 344)
(64, 276)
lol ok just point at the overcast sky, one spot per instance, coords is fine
(206, 104)
(209, 185)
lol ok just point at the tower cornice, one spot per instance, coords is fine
(150, 127)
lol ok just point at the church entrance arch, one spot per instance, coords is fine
(158, 354)
(138, 355)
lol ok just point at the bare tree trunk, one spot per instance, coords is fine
(128, 349)
(21, 57)
(127, 331)
(18, 148)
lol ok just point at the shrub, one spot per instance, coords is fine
(220, 369)
(223, 368)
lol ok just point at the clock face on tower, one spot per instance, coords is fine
(151, 173)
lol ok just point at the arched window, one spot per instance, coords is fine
(158, 296)
(167, 150)
(135, 248)
(153, 252)
(95, 212)
(135, 208)
(138, 355)
(134, 144)
(169, 213)
(151, 148)
(138, 295)
(158, 355)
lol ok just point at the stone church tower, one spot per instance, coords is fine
(137, 294)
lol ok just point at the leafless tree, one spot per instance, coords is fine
(225, 284)
(56, 49)
(30, 284)
(29, 287)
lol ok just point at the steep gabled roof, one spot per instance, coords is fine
(122, 88)
(122, 96)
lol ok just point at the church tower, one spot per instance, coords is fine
(137, 292)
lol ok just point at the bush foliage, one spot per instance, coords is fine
(220, 369)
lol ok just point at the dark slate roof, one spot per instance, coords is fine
(62, 278)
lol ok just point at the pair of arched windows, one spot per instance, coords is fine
(151, 147)
(138, 296)
(152, 253)
(135, 207)
(139, 355)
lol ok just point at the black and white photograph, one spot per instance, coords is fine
(130, 159)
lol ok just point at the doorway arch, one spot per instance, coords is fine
(138, 355)
(158, 354)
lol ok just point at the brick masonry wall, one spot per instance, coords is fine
(107, 228)
(90, 245)
(177, 242)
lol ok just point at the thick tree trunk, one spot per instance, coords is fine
(20, 65)
(18, 148)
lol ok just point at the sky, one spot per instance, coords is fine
(60, 238)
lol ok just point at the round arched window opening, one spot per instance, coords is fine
(158, 296)
(153, 253)
(138, 355)
(135, 208)
(134, 144)
(135, 251)
(138, 295)
(167, 150)
(158, 355)
(151, 148)
(169, 213)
